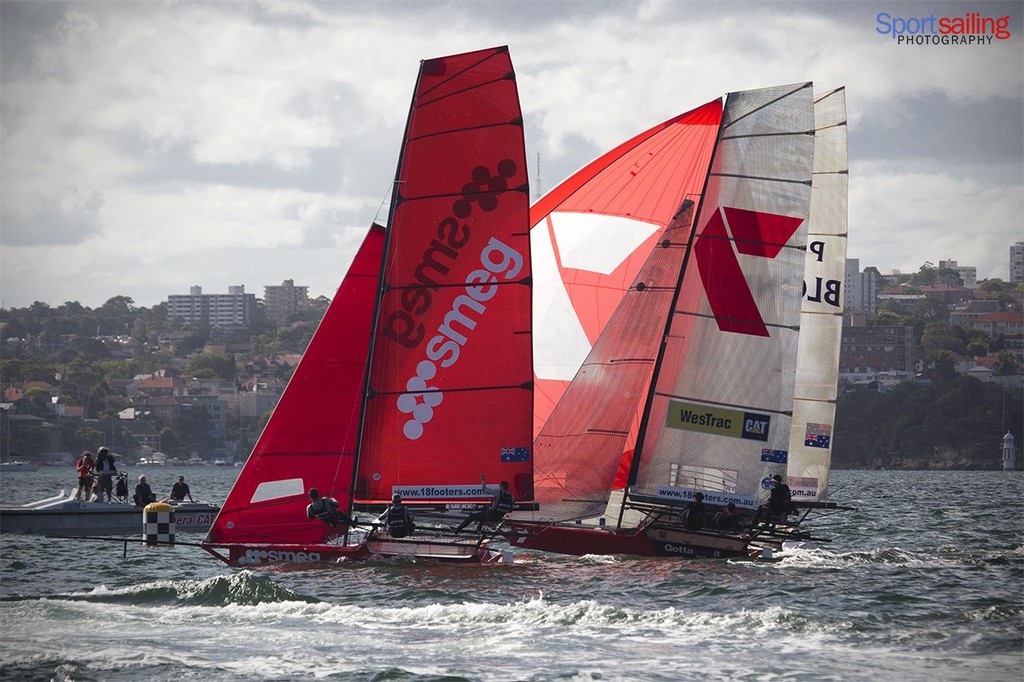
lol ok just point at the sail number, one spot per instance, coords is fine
(822, 290)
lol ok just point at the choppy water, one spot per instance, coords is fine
(924, 582)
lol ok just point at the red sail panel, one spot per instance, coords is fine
(593, 232)
(450, 394)
(310, 439)
(580, 447)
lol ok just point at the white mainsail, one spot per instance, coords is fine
(821, 317)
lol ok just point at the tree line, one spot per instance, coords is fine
(952, 422)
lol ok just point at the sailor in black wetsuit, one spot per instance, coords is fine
(501, 504)
(326, 509)
(780, 502)
(398, 519)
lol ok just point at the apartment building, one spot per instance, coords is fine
(233, 309)
(287, 299)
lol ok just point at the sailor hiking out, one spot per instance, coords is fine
(326, 509)
(502, 504)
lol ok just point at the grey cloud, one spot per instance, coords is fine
(68, 215)
(935, 127)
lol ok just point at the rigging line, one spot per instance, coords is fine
(703, 401)
(828, 94)
(840, 124)
(776, 325)
(824, 401)
(588, 432)
(756, 177)
(788, 133)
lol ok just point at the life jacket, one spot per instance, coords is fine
(321, 508)
(503, 503)
(399, 523)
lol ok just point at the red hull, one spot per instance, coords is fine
(245, 555)
(253, 554)
(578, 541)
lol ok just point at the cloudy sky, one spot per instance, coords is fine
(150, 146)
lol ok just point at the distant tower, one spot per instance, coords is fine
(1009, 453)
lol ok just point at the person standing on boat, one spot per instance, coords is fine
(501, 504)
(179, 491)
(85, 466)
(326, 509)
(693, 517)
(398, 519)
(143, 493)
(105, 470)
(780, 501)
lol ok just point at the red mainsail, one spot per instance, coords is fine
(449, 396)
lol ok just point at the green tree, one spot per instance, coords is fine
(36, 401)
(209, 365)
(88, 438)
(930, 309)
(170, 441)
(939, 337)
(1005, 363)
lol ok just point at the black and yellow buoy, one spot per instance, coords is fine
(158, 524)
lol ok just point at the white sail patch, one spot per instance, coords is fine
(584, 241)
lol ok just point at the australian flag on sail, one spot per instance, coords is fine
(515, 454)
(818, 435)
(777, 456)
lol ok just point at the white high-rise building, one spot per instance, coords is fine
(968, 273)
(861, 288)
(1017, 262)
(233, 309)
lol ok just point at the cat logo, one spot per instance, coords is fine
(755, 426)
